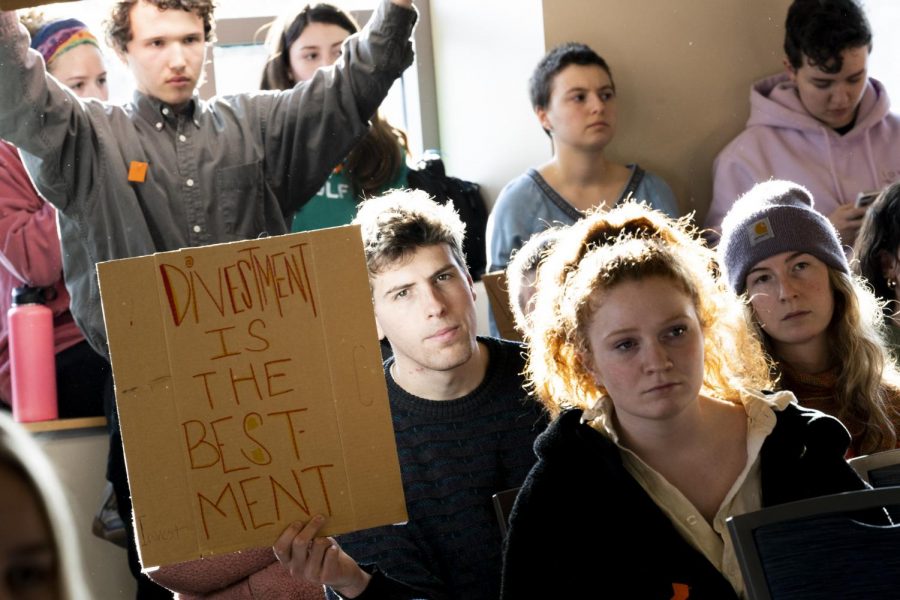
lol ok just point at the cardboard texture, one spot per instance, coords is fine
(498, 296)
(16, 4)
(250, 392)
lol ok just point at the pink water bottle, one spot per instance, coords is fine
(32, 358)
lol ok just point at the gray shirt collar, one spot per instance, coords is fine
(156, 112)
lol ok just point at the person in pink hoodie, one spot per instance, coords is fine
(823, 123)
(29, 240)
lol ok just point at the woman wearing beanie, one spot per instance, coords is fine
(822, 327)
(71, 53)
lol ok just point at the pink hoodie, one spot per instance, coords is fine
(783, 141)
(29, 254)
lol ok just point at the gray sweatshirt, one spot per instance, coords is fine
(231, 168)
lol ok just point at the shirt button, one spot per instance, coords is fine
(196, 229)
(182, 137)
(691, 520)
(165, 111)
(190, 182)
(159, 125)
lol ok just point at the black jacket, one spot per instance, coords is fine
(579, 495)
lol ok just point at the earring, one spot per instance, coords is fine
(891, 283)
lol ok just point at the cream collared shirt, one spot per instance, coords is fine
(712, 540)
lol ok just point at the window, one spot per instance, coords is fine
(884, 16)
(237, 59)
(239, 56)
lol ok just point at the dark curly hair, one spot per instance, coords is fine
(821, 30)
(118, 25)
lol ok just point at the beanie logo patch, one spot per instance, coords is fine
(760, 231)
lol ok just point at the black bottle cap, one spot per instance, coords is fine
(27, 295)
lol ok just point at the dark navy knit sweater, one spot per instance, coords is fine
(454, 455)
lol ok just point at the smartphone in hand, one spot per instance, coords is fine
(866, 198)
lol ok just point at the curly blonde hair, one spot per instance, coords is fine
(629, 243)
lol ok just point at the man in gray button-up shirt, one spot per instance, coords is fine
(169, 170)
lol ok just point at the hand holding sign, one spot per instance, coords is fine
(319, 560)
(250, 393)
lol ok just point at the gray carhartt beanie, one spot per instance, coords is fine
(774, 217)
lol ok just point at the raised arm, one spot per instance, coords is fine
(42, 118)
(311, 128)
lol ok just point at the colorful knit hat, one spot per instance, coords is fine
(57, 37)
(774, 217)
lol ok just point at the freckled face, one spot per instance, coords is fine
(791, 297)
(647, 349)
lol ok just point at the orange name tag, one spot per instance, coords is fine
(137, 172)
(681, 591)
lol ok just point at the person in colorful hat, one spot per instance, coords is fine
(72, 55)
(29, 239)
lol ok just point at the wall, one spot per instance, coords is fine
(683, 71)
(483, 55)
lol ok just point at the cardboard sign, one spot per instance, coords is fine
(498, 295)
(16, 4)
(250, 393)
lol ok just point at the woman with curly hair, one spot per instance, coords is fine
(661, 432)
(822, 327)
(300, 45)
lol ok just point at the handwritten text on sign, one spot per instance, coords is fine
(246, 399)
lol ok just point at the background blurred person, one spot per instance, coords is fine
(877, 251)
(29, 239)
(522, 274)
(823, 122)
(39, 554)
(300, 45)
(574, 97)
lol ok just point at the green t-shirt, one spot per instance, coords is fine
(335, 204)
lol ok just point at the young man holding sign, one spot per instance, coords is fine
(170, 170)
(463, 423)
